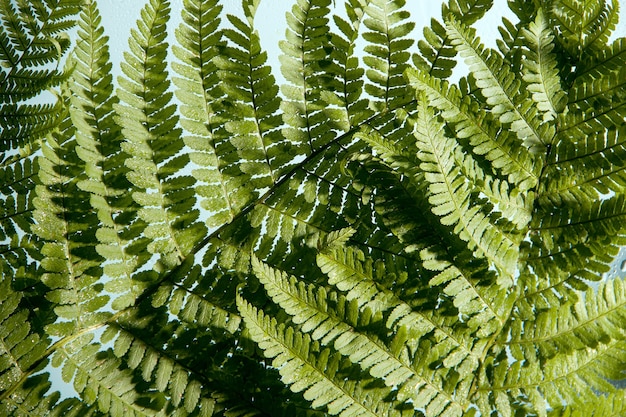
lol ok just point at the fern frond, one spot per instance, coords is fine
(461, 112)
(593, 220)
(344, 94)
(449, 196)
(387, 52)
(298, 209)
(22, 125)
(153, 143)
(585, 170)
(329, 317)
(595, 104)
(21, 349)
(596, 318)
(500, 87)
(33, 36)
(540, 69)
(309, 307)
(306, 367)
(66, 224)
(467, 283)
(204, 320)
(467, 11)
(17, 176)
(437, 53)
(567, 254)
(305, 54)
(98, 140)
(598, 94)
(349, 273)
(584, 26)
(30, 399)
(36, 32)
(97, 377)
(223, 187)
(608, 59)
(394, 202)
(568, 378)
(252, 115)
(612, 405)
(173, 382)
(24, 84)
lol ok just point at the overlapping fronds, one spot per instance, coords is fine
(601, 154)
(499, 86)
(307, 367)
(348, 323)
(464, 114)
(584, 26)
(153, 142)
(569, 378)
(65, 223)
(450, 197)
(299, 208)
(98, 139)
(593, 320)
(33, 41)
(401, 203)
(598, 96)
(436, 52)
(372, 238)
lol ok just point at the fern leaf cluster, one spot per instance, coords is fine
(371, 238)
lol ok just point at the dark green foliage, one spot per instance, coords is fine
(371, 238)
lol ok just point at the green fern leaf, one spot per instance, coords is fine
(98, 379)
(449, 196)
(436, 52)
(584, 27)
(597, 94)
(566, 378)
(98, 140)
(224, 188)
(344, 93)
(593, 320)
(387, 52)
(499, 86)
(34, 36)
(65, 224)
(505, 154)
(17, 176)
(21, 349)
(602, 405)
(252, 113)
(568, 183)
(540, 69)
(309, 308)
(153, 143)
(306, 50)
(316, 375)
